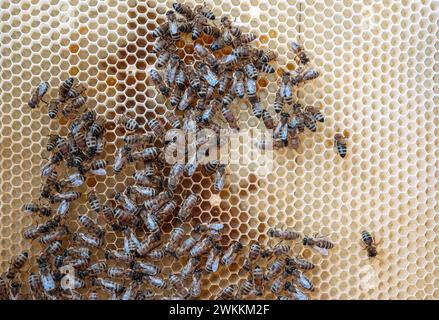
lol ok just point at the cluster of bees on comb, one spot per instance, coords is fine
(223, 73)
(78, 265)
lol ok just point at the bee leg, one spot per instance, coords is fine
(44, 101)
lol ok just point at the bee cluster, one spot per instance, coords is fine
(226, 71)
(293, 121)
(79, 265)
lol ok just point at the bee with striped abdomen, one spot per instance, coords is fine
(340, 145)
(38, 94)
(369, 244)
(320, 244)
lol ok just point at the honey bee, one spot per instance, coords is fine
(17, 264)
(146, 268)
(46, 277)
(264, 67)
(68, 196)
(108, 285)
(173, 25)
(176, 238)
(63, 209)
(210, 167)
(65, 87)
(121, 256)
(187, 99)
(231, 253)
(155, 203)
(310, 74)
(146, 154)
(135, 140)
(157, 282)
(268, 119)
(175, 175)
(256, 107)
(238, 83)
(309, 121)
(56, 235)
(185, 247)
(369, 244)
(34, 208)
(88, 223)
(35, 286)
(209, 227)
(213, 259)
(225, 81)
(189, 268)
(98, 126)
(129, 124)
(302, 280)
(251, 89)
(204, 54)
(180, 77)
(246, 289)
(220, 177)
(132, 291)
(171, 69)
(295, 292)
(150, 243)
(166, 211)
(197, 26)
(159, 83)
(208, 74)
(4, 289)
(250, 70)
(184, 9)
(178, 286)
(188, 204)
(253, 254)
(195, 288)
(53, 108)
(14, 290)
(161, 31)
(205, 11)
(316, 114)
(281, 130)
(77, 102)
(87, 239)
(340, 145)
(201, 247)
(286, 234)
(279, 283)
(301, 56)
(176, 96)
(285, 89)
(278, 102)
(54, 248)
(160, 45)
(320, 244)
(210, 112)
(38, 95)
(163, 59)
(157, 254)
(275, 268)
(76, 91)
(121, 158)
(299, 263)
(227, 293)
(243, 39)
(156, 126)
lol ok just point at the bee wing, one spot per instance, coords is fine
(322, 251)
(217, 226)
(99, 172)
(215, 263)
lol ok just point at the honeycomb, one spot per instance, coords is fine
(378, 86)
